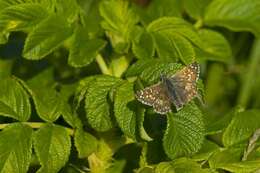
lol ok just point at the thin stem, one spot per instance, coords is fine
(102, 65)
(245, 91)
(198, 24)
(35, 125)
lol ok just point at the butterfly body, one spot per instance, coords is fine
(178, 89)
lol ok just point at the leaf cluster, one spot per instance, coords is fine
(69, 71)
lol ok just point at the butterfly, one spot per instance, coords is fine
(178, 89)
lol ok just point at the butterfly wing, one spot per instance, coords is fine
(155, 96)
(181, 88)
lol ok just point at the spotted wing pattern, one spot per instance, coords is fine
(155, 96)
(181, 88)
(178, 89)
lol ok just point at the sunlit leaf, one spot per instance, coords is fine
(237, 15)
(85, 143)
(128, 115)
(15, 148)
(46, 37)
(52, 146)
(172, 36)
(14, 100)
(97, 104)
(119, 22)
(185, 132)
(241, 127)
(84, 50)
(216, 47)
(21, 17)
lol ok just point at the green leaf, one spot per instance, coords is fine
(6, 3)
(48, 103)
(21, 17)
(196, 8)
(207, 149)
(145, 170)
(174, 38)
(97, 103)
(144, 47)
(15, 148)
(85, 143)
(14, 101)
(69, 10)
(117, 166)
(230, 160)
(183, 165)
(185, 132)
(128, 115)
(151, 70)
(237, 15)
(219, 125)
(82, 90)
(52, 146)
(119, 22)
(140, 122)
(46, 37)
(45, 78)
(242, 126)
(90, 17)
(70, 116)
(215, 48)
(157, 9)
(84, 50)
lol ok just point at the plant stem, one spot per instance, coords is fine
(198, 24)
(35, 125)
(102, 65)
(245, 91)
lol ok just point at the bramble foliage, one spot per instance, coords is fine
(69, 71)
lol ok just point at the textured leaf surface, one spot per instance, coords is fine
(207, 149)
(151, 70)
(46, 37)
(7, 3)
(237, 15)
(242, 126)
(128, 115)
(216, 47)
(14, 101)
(48, 103)
(144, 47)
(183, 165)
(119, 22)
(185, 132)
(52, 146)
(97, 103)
(22, 16)
(70, 116)
(173, 35)
(230, 160)
(126, 109)
(15, 148)
(85, 143)
(69, 10)
(84, 50)
(91, 17)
